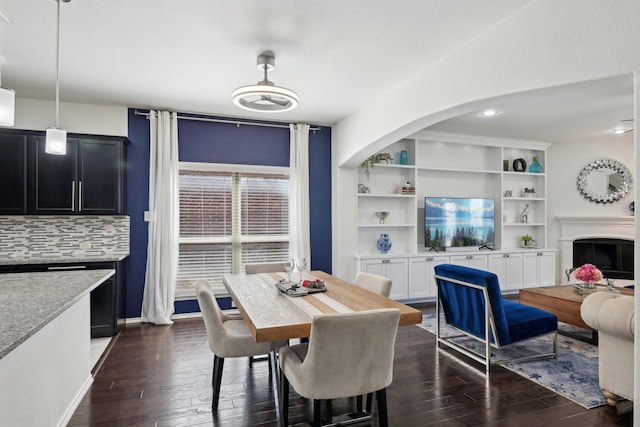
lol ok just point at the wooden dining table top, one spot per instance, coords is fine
(274, 316)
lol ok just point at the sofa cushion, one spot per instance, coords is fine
(526, 322)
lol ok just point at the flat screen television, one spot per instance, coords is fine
(458, 222)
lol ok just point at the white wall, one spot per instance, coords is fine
(34, 114)
(563, 200)
(564, 164)
(545, 44)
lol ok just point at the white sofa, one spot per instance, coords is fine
(612, 315)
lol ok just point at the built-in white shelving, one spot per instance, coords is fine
(450, 165)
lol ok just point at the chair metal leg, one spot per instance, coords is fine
(381, 397)
(218, 363)
(250, 360)
(284, 399)
(359, 403)
(317, 413)
(369, 402)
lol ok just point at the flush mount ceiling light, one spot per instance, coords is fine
(489, 112)
(56, 142)
(265, 97)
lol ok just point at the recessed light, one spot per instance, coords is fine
(489, 112)
(619, 131)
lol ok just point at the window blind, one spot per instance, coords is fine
(228, 219)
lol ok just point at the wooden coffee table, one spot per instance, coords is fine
(564, 302)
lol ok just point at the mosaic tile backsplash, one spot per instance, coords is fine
(57, 237)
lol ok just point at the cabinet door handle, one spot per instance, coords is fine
(469, 256)
(73, 196)
(79, 196)
(539, 254)
(429, 258)
(505, 255)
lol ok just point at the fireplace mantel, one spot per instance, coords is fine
(574, 227)
(584, 227)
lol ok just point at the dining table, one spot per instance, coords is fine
(273, 315)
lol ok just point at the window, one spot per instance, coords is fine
(229, 216)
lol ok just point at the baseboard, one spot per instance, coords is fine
(136, 320)
(71, 409)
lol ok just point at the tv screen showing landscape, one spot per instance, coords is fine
(458, 222)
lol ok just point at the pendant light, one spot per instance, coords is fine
(265, 97)
(56, 142)
(7, 104)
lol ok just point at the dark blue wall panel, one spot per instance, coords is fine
(201, 141)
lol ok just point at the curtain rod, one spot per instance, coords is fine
(232, 122)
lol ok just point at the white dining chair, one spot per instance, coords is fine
(373, 282)
(380, 285)
(348, 354)
(227, 338)
(267, 267)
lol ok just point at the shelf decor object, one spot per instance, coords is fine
(519, 165)
(382, 215)
(535, 166)
(384, 243)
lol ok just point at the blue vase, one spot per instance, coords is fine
(384, 243)
(535, 167)
(404, 159)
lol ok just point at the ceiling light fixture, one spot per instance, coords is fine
(56, 142)
(265, 97)
(7, 104)
(622, 131)
(489, 112)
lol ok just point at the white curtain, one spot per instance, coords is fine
(162, 247)
(299, 243)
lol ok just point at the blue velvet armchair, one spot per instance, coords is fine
(472, 304)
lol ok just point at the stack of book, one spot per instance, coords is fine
(406, 190)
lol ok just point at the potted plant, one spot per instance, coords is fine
(528, 241)
(369, 163)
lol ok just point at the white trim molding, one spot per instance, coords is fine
(583, 227)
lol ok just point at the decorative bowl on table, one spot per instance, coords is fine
(382, 215)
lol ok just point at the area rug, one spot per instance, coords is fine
(574, 374)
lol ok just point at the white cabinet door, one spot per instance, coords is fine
(547, 268)
(393, 268)
(373, 266)
(508, 268)
(538, 269)
(397, 271)
(421, 281)
(474, 261)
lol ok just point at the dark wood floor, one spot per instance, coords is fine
(161, 376)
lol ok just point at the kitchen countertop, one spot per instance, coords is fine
(31, 300)
(64, 259)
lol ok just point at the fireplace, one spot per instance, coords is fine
(595, 228)
(614, 257)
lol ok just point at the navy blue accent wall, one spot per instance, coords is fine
(223, 143)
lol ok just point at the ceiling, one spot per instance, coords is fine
(337, 55)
